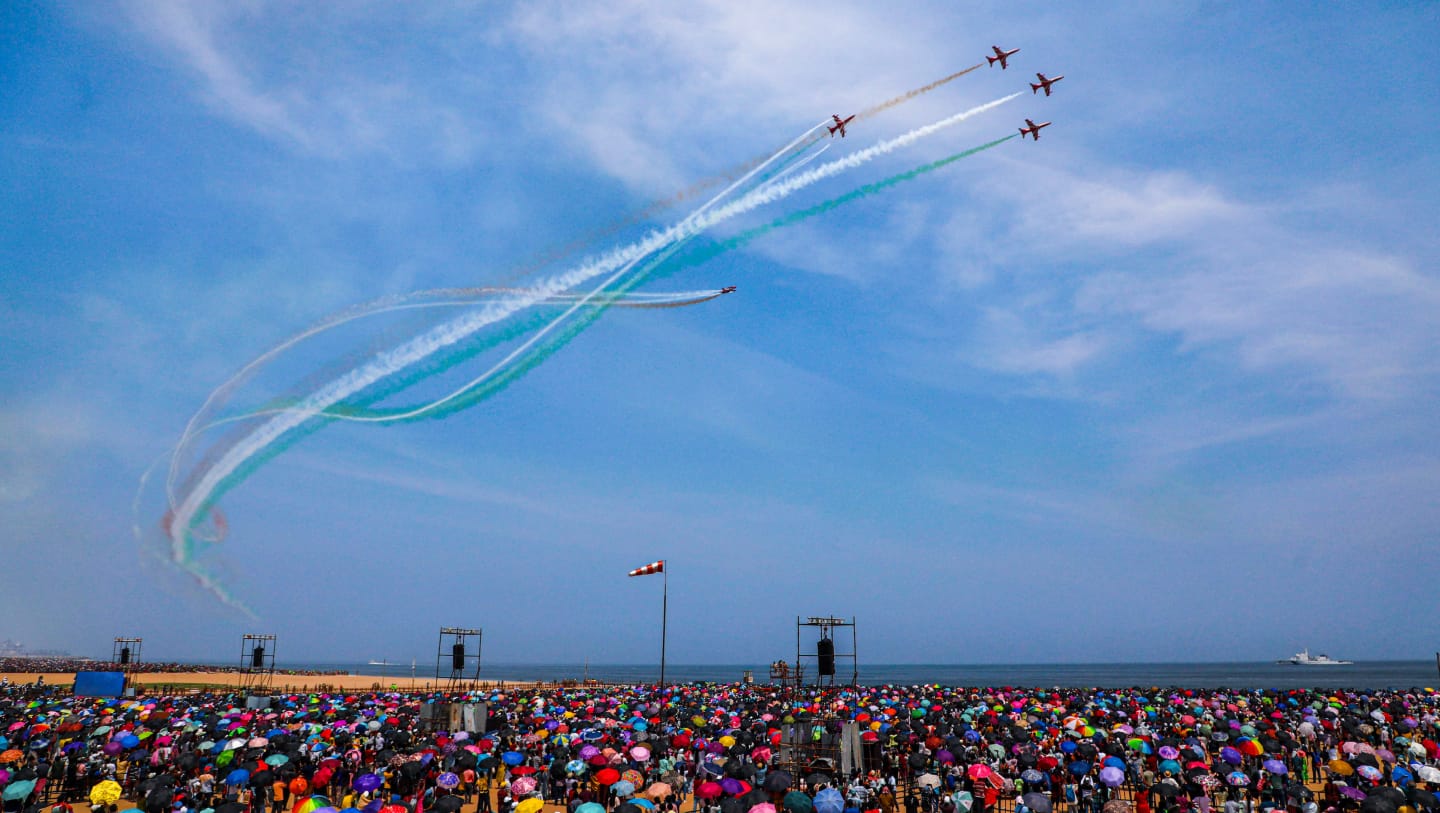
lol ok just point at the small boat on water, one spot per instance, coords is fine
(379, 663)
(1304, 658)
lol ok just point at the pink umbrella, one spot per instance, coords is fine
(522, 786)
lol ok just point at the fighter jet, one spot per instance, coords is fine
(1044, 83)
(1001, 56)
(1033, 130)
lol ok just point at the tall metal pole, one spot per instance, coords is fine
(664, 617)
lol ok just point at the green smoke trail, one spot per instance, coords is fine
(661, 266)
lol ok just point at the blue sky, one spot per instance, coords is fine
(1157, 387)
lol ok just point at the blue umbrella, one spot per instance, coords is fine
(829, 800)
(239, 776)
(512, 758)
(1080, 768)
(18, 790)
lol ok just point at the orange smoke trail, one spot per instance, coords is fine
(865, 114)
(700, 187)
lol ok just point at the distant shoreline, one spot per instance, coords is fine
(277, 683)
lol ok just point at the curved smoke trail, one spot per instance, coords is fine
(702, 186)
(429, 299)
(237, 462)
(656, 270)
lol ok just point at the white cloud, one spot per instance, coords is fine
(1230, 279)
(36, 439)
(281, 71)
(658, 85)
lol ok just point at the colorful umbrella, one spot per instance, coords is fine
(18, 790)
(522, 786)
(105, 793)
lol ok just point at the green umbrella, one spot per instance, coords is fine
(18, 790)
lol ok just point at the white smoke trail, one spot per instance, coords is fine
(619, 260)
(390, 304)
(630, 299)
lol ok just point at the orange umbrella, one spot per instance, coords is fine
(13, 755)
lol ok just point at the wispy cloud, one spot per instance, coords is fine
(292, 84)
(1182, 258)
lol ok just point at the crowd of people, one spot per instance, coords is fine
(38, 664)
(725, 748)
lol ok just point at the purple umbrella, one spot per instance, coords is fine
(1231, 755)
(1275, 766)
(1112, 776)
(1168, 752)
(1352, 793)
(731, 785)
(367, 782)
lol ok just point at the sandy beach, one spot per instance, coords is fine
(279, 682)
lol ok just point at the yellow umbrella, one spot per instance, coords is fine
(531, 805)
(105, 793)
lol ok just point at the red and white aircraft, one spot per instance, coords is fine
(839, 125)
(1044, 83)
(1001, 56)
(1033, 130)
(728, 289)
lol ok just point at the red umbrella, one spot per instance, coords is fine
(521, 770)
(708, 790)
(607, 776)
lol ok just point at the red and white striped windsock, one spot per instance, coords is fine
(653, 567)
